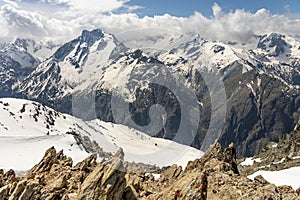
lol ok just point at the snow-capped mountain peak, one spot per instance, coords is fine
(24, 44)
(204, 54)
(18, 52)
(96, 45)
(274, 43)
(79, 62)
(278, 46)
(80, 45)
(90, 37)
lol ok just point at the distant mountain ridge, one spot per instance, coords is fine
(18, 59)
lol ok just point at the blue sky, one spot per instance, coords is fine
(186, 8)
(181, 8)
(60, 20)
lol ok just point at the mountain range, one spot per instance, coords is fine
(207, 90)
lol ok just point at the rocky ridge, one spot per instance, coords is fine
(214, 176)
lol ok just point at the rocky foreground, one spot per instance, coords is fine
(214, 176)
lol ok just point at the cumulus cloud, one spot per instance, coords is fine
(22, 22)
(238, 25)
(26, 24)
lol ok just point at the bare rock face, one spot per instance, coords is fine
(214, 176)
(276, 156)
(54, 177)
(107, 181)
(46, 163)
(170, 173)
(217, 158)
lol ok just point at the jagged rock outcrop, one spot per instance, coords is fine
(55, 178)
(107, 181)
(222, 159)
(214, 176)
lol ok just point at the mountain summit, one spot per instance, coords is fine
(247, 96)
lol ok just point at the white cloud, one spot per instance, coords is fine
(22, 22)
(94, 6)
(26, 24)
(217, 10)
(63, 25)
(12, 3)
(238, 25)
(133, 8)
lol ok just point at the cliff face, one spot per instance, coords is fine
(280, 155)
(214, 176)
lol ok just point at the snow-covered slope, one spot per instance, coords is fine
(80, 62)
(281, 177)
(279, 56)
(28, 52)
(276, 55)
(18, 51)
(17, 60)
(201, 53)
(153, 40)
(28, 129)
(278, 48)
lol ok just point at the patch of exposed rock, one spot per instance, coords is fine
(214, 176)
(277, 155)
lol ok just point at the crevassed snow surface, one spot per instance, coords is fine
(283, 177)
(28, 129)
